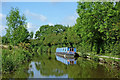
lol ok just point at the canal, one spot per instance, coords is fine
(48, 67)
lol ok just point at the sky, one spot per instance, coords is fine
(41, 13)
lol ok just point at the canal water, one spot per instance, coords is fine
(49, 67)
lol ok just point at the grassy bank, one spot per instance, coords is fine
(12, 59)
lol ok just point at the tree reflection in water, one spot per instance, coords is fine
(83, 69)
(43, 67)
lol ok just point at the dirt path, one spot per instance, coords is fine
(103, 56)
(6, 46)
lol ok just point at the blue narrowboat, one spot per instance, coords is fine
(66, 51)
(66, 55)
(67, 61)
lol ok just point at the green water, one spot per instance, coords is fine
(44, 67)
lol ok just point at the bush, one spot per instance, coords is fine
(53, 49)
(49, 50)
(13, 59)
(95, 58)
(35, 49)
(116, 49)
(84, 55)
(10, 47)
(39, 51)
(44, 48)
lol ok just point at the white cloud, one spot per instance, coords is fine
(3, 27)
(36, 16)
(2, 22)
(2, 15)
(51, 24)
(70, 20)
(29, 25)
(2, 30)
(2, 18)
(32, 27)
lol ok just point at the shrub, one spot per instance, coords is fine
(13, 59)
(84, 55)
(10, 47)
(35, 49)
(95, 58)
(53, 49)
(44, 48)
(116, 49)
(39, 51)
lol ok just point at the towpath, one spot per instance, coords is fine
(104, 56)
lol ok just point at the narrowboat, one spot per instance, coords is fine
(66, 51)
(66, 55)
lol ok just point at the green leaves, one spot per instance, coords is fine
(97, 22)
(16, 31)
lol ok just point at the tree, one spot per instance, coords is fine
(31, 35)
(97, 23)
(50, 35)
(16, 31)
(72, 37)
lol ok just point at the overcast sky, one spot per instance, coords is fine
(41, 13)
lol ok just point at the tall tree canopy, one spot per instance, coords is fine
(98, 23)
(16, 31)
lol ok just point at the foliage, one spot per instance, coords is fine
(84, 55)
(5, 40)
(98, 24)
(116, 49)
(95, 58)
(31, 35)
(39, 51)
(10, 47)
(11, 60)
(50, 37)
(16, 31)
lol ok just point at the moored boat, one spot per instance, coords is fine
(66, 51)
(66, 55)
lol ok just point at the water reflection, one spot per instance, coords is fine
(43, 67)
(66, 60)
(39, 72)
(46, 68)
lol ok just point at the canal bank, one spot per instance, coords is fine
(109, 60)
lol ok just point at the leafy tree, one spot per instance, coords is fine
(97, 24)
(72, 37)
(16, 31)
(31, 35)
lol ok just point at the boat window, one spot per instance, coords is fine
(71, 49)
